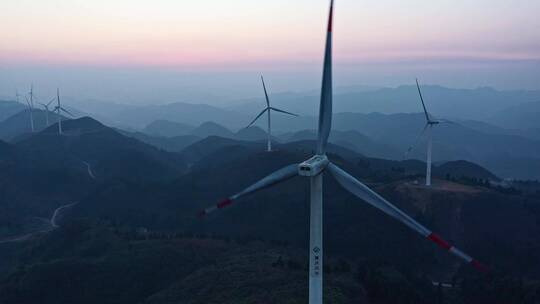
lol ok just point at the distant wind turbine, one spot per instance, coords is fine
(46, 107)
(428, 128)
(17, 96)
(267, 110)
(30, 104)
(59, 109)
(314, 169)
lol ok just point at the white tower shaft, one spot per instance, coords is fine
(59, 107)
(316, 241)
(31, 106)
(429, 149)
(269, 146)
(59, 123)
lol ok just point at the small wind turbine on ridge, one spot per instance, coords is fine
(59, 109)
(46, 107)
(30, 104)
(267, 110)
(428, 128)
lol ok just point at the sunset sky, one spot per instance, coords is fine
(277, 35)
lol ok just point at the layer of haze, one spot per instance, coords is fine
(160, 51)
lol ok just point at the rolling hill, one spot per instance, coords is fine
(166, 128)
(110, 154)
(521, 116)
(19, 123)
(44, 171)
(10, 108)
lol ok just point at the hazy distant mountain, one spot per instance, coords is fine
(211, 145)
(185, 113)
(211, 129)
(521, 116)
(165, 128)
(9, 108)
(252, 133)
(462, 104)
(170, 144)
(179, 143)
(353, 140)
(390, 136)
(477, 104)
(451, 142)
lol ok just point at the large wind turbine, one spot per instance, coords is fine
(46, 107)
(267, 110)
(314, 169)
(59, 109)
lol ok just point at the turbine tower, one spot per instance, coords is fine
(267, 110)
(17, 95)
(430, 123)
(46, 107)
(58, 110)
(314, 168)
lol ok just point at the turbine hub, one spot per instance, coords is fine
(313, 166)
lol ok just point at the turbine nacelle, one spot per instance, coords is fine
(313, 166)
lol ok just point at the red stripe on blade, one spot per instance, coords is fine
(224, 203)
(439, 241)
(479, 266)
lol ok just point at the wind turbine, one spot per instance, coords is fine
(30, 104)
(314, 168)
(430, 123)
(46, 107)
(267, 110)
(58, 110)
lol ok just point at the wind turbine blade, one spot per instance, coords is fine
(28, 102)
(278, 176)
(369, 196)
(258, 116)
(282, 111)
(325, 109)
(447, 121)
(67, 112)
(52, 100)
(265, 93)
(422, 99)
(416, 141)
